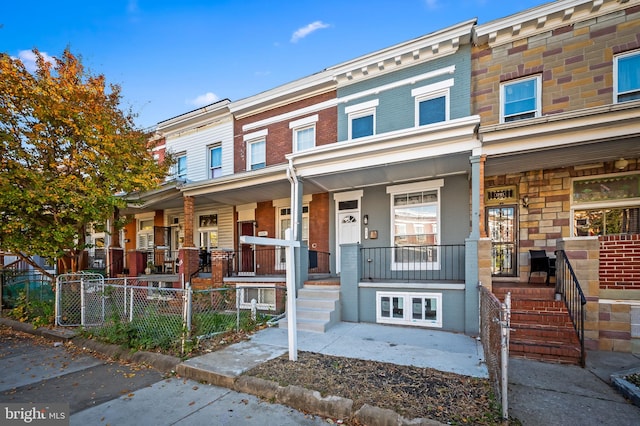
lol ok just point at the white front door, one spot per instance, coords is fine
(348, 230)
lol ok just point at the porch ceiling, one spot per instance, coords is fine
(566, 156)
(383, 174)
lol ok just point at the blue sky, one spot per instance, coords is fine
(171, 57)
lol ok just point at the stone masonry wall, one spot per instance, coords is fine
(575, 62)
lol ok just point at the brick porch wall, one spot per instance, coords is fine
(620, 262)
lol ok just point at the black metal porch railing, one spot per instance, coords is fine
(414, 263)
(271, 261)
(568, 285)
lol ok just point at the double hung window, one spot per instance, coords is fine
(215, 161)
(304, 133)
(256, 154)
(520, 99)
(627, 75)
(415, 225)
(432, 102)
(181, 167)
(362, 119)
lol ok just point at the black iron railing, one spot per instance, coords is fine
(568, 285)
(271, 261)
(414, 263)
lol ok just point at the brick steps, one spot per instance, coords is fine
(541, 328)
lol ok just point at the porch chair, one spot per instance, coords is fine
(539, 263)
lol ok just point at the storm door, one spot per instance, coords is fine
(502, 227)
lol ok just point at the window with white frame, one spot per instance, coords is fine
(215, 161)
(208, 230)
(145, 234)
(432, 102)
(415, 225)
(362, 119)
(304, 133)
(256, 154)
(408, 308)
(627, 74)
(304, 138)
(284, 222)
(606, 205)
(181, 167)
(265, 298)
(521, 99)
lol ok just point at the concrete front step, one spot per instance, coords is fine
(317, 308)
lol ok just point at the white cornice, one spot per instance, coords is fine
(580, 126)
(544, 18)
(402, 55)
(303, 88)
(195, 118)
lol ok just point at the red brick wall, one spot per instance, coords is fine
(280, 137)
(620, 262)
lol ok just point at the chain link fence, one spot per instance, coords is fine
(149, 315)
(30, 286)
(495, 320)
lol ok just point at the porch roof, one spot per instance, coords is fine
(572, 138)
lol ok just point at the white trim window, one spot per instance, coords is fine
(626, 72)
(432, 103)
(215, 161)
(284, 222)
(180, 168)
(606, 205)
(265, 298)
(208, 231)
(304, 133)
(362, 119)
(145, 234)
(521, 99)
(419, 309)
(415, 225)
(256, 154)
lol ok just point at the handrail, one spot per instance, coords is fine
(568, 285)
(414, 263)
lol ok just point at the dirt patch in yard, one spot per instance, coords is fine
(412, 392)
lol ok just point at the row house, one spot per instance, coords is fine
(557, 88)
(413, 174)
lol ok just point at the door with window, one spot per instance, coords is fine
(501, 224)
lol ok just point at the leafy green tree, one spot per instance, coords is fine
(67, 151)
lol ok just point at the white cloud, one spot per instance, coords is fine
(305, 31)
(28, 58)
(204, 99)
(432, 4)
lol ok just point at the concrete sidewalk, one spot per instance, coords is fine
(555, 394)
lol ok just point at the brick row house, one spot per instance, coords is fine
(415, 173)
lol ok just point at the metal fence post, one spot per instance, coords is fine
(238, 309)
(82, 302)
(505, 324)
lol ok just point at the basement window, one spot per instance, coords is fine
(420, 309)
